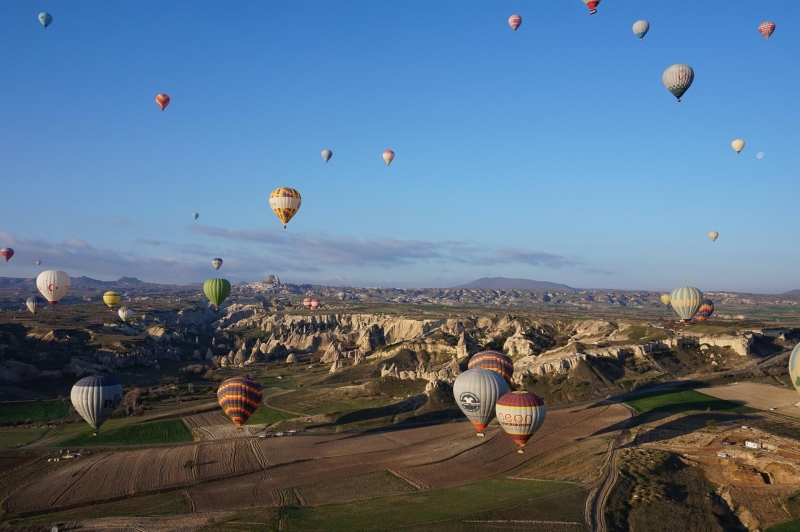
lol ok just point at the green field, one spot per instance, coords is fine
(167, 431)
(33, 411)
(265, 415)
(791, 526)
(12, 437)
(674, 401)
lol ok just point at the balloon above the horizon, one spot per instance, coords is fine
(520, 414)
(514, 21)
(766, 29)
(111, 298)
(95, 398)
(640, 28)
(38, 263)
(388, 156)
(737, 145)
(794, 367)
(6, 253)
(162, 100)
(713, 235)
(686, 300)
(677, 79)
(45, 19)
(476, 392)
(327, 154)
(35, 304)
(216, 263)
(760, 155)
(285, 202)
(705, 311)
(53, 284)
(217, 291)
(495, 361)
(592, 5)
(125, 314)
(239, 397)
(195, 216)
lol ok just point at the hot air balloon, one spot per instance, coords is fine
(38, 263)
(713, 235)
(314, 304)
(239, 397)
(35, 303)
(640, 28)
(388, 156)
(6, 253)
(495, 361)
(520, 414)
(162, 100)
(327, 154)
(737, 145)
(341, 296)
(284, 202)
(46, 19)
(195, 216)
(125, 314)
(794, 367)
(217, 290)
(592, 4)
(685, 301)
(216, 263)
(307, 303)
(514, 21)
(111, 298)
(53, 284)
(705, 311)
(677, 79)
(476, 392)
(95, 398)
(765, 29)
(665, 299)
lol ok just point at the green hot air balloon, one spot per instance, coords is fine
(685, 301)
(218, 290)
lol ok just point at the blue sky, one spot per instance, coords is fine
(553, 153)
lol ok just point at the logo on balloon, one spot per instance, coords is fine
(469, 402)
(113, 403)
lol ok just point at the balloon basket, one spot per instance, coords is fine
(521, 451)
(95, 433)
(480, 435)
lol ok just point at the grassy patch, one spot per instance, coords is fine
(34, 411)
(267, 415)
(674, 401)
(171, 503)
(11, 437)
(359, 487)
(387, 513)
(167, 431)
(791, 526)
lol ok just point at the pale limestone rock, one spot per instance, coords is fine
(291, 359)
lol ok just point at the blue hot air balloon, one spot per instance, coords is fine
(46, 19)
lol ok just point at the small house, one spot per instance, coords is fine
(752, 444)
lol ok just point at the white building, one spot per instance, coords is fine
(752, 444)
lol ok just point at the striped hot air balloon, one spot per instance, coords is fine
(95, 398)
(520, 414)
(314, 304)
(6, 253)
(592, 5)
(766, 29)
(514, 21)
(111, 298)
(677, 79)
(476, 393)
(495, 361)
(685, 301)
(162, 100)
(217, 290)
(705, 311)
(285, 202)
(239, 397)
(794, 367)
(307, 303)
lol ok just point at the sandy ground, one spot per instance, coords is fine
(761, 396)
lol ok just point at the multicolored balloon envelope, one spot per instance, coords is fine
(495, 361)
(125, 314)
(705, 311)
(514, 21)
(520, 414)
(217, 290)
(677, 79)
(766, 29)
(239, 397)
(95, 398)
(314, 304)
(6, 253)
(53, 284)
(476, 393)
(388, 156)
(162, 100)
(685, 301)
(794, 367)
(592, 5)
(111, 298)
(285, 202)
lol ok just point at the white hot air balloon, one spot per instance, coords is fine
(713, 235)
(216, 263)
(476, 392)
(640, 28)
(53, 284)
(327, 154)
(737, 145)
(677, 79)
(35, 304)
(125, 314)
(95, 398)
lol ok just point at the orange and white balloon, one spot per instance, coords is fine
(388, 156)
(162, 100)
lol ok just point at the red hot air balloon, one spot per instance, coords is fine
(6, 253)
(307, 303)
(520, 414)
(592, 5)
(514, 21)
(495, 361)
(162, 100)
(766, 29)
(314, 304)
(239, 397)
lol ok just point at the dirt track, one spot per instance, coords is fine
(761, 396)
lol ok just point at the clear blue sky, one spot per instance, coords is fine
(553, 153)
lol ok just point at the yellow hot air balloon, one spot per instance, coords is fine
(737, 145)
(111, 298)
(284, 202)
(713, 235)
(665, 299)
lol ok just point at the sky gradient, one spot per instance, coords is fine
(553, 153)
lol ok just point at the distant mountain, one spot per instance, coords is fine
(499, 283)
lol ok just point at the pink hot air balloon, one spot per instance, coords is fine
(766, 28)
(388, 156)
(6, 253)
(314, 304)
(514, 21)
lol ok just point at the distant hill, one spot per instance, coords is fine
(499, 283)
